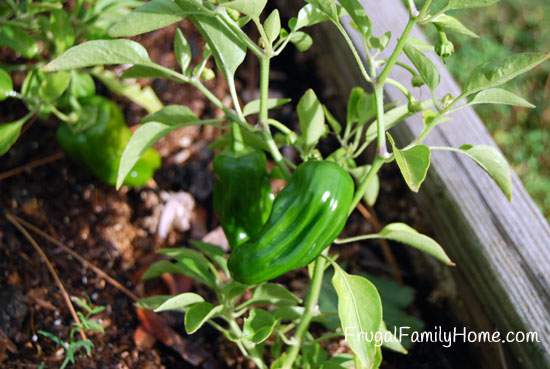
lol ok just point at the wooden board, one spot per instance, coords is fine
(502, 249)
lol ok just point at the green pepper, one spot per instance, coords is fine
(98, 139)
(307, 216)
(242, 194)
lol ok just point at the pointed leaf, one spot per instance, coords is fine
(272, 25)
(253, 107)
(308, 16)
(198, 314)
(492, 161)
(180, 302)
(6, 84)
(9, 132)
(168, 119)
(100, 52)
(182, 49)
(301, 40)
(252, 8)
(228, 50)
(311, 117)
(402, 233)
(152, 302)
(502, 70)
(153, 15)
(272, 293)
(258, 326)
(452, 24)
(358, 15)
(425, 67)
(500, 96)
(413, 164)
(360, 311)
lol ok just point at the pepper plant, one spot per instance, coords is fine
(92, 130)
(271, 235)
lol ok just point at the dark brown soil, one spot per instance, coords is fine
(115, 231)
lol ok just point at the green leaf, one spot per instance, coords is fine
(195, 264)
(253, 107)
(312, 118)
(182, 51)
(452, 24)
(502, 70)
(332, 121)
(402, 233)
(251, 8)
(272, 293)
(308, 16)
(328, 7)
(259, 325)
(500, 96)
(361, 106)
(301, 40)
(62, 30)
(214, 252)
(358, 15)
(153, 15)
(6, 84)
(53, 85)
(425, 67)
(156, 126)
(413, 163)
(143, 96)
(390, 341)
(180, 302)
(360, 311)
(18, 40)
(160, 267)
(464, 4)
(492, 161)
(100, 52)
(82, 85)
(9, 132)
(152, 302)
(228, 50)
(272, 25)
(198, 314)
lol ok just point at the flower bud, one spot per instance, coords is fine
(444, 48)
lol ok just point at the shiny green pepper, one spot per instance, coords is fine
(242, 194)
(98, 140)
(307, 216)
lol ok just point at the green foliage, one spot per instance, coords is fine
(309, 213)
(47, 29)
(74, 346)
(523, 135)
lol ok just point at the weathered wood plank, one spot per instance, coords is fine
(502, 249)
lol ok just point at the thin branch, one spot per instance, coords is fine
(33, 164)
(53, 272)
(113, 282)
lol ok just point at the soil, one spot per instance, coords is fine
(116, 231)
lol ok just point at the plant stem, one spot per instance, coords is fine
(376, 165)
(264, 116)
(310, 306)
(248, 351)
(380, 122)
(356, 56)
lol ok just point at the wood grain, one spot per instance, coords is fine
(502, 249)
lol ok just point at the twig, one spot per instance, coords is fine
(51, 268)
(31, 165)
(371, 217)
(113, 282)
